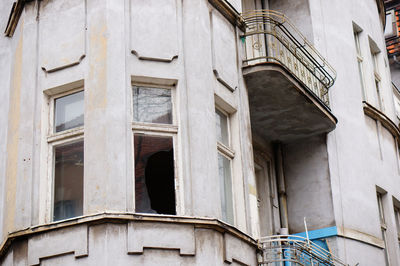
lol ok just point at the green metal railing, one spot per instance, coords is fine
(271, 37)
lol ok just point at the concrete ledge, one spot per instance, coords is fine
(374, 113)
(360, 236)
(229, 13)
(197, 222)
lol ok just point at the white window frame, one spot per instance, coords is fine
(379, 196)
(228, 153)
(159, 130)
(360, 60)
(53, 140)
(397, 221)
(375, 54)
(391, 13)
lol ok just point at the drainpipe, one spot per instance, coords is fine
(280, 176)
(264, 25)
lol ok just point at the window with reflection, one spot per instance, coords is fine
(152, 105)
(68, 112)
(66, 147)
(225, 157)
(68, 180)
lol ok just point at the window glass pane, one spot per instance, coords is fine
(69, 111)
(380, 206)
(224, 171)
(152, 105)
(154, 174)
(390, 26)
(357, 41)
(222, 127)
(68, 181)
(397, 219)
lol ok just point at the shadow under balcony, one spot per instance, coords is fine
(286, 78)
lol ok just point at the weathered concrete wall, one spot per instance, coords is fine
(6, 61)
(105, 47)
(134, 243)
(355, 147)
(298, 12)
(308, 188)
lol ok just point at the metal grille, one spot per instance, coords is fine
(289, 250)
(271, 37)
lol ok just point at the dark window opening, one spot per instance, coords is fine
(154, 174)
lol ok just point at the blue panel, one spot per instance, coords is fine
(319, 233)
(322, 243)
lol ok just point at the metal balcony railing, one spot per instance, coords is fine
(271, 37)
(290, 250)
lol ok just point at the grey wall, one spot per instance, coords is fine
(308, 184)
(355, 147)
(6, 62)
(298, 12)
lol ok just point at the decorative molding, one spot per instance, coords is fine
(62, 49)
(165, 60)
(197, 222)
(218, 77)
(360, 236)
(175, 236)
(51, 70)
(236, 250)
(15, 14)
(149, 41)
(40, 247)
(374, 113)
(223, 51)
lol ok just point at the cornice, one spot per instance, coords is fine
(374, 113)
(15, 14)
(229, 13)
(101, 218)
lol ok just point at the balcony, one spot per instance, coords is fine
(287, 79)
(294, 250)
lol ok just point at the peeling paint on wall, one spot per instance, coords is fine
(97, 94)
(13, 138)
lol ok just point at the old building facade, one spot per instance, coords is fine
(197, 132)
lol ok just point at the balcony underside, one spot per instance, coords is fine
(281, 107)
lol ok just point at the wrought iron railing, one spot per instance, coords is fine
(271, 37)
(290, 250)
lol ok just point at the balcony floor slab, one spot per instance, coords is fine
(281, 107)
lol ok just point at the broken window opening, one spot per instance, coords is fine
(154, 174)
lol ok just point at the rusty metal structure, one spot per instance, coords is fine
(294, 251)
(270, 37)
